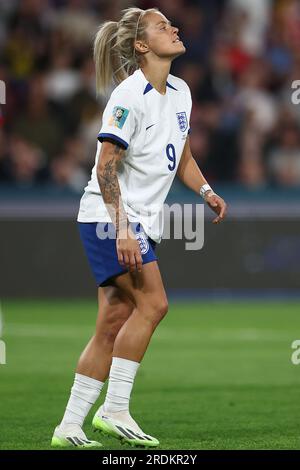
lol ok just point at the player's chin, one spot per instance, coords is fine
(179, 46)
(178, 50)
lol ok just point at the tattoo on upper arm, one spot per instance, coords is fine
(108, 182)
(118, 150)
(109, 185)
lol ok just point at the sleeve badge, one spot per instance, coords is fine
(118, 117)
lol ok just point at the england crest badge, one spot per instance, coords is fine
(182, 121)
(143, 242)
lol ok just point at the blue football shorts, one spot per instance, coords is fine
(99, 241)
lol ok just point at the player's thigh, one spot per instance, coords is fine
(115, 307)
(145, 289)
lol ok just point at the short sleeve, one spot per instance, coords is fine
(119, 118)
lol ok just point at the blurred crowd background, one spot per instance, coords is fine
(242, 57)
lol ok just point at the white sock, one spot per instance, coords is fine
(121, 378)
(84, 393)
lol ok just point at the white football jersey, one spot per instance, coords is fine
(153, 128)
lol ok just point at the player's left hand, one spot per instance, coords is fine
(218, 205)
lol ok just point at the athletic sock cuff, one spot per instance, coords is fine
(88, 382)
(130, 366)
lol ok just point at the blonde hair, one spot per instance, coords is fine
(114, 47)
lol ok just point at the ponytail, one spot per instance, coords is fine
(107, 62)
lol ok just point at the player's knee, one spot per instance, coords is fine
(112, 323)
(156, 311)
(110, 333)
(163, 308)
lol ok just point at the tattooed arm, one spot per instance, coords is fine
(109, 159)
(127, 246)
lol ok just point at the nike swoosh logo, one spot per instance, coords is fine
(150, 126)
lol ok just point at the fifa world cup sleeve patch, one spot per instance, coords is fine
(118, 117)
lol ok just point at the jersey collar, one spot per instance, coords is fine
(149, 87)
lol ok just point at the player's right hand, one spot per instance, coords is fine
(128, 249)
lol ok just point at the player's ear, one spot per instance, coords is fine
(141, 47)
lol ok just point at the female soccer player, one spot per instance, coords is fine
(143, 143)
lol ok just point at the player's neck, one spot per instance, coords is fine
(157, 76)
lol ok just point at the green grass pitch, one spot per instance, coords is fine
(217, 375)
